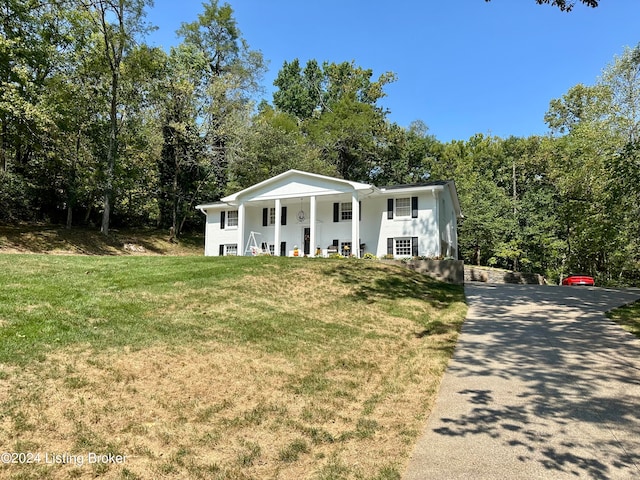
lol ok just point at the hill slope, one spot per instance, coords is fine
(228, 368)
(55, 239)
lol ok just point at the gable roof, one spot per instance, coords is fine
(298, 183)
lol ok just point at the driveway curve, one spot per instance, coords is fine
(541, 386)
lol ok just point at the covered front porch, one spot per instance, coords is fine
(306, 225)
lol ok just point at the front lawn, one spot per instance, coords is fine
(223, 368)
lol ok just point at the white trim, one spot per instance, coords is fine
(355, 225)
(312, 225)
(241, 220)
(345, 183)
(276, 241)
(395, 246)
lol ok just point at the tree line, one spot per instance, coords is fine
(99, 128)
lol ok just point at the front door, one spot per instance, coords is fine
(307, 241)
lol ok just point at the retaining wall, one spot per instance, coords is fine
(450, 271)
(495, 275)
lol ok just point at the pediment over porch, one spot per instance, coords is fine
(298, 184)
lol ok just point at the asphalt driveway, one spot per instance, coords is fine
(541, 386)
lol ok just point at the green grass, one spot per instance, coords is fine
(51, 302)
(47, 303)
(222, 368)
(628, 317)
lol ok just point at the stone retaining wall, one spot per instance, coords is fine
(455, 271)
(450, 271)
(495, 275)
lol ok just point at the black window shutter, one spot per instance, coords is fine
(221, 251)
(335, 243)
(390, 209)
(222, 219)
(389, 246)
(414, 246)
(265, 217)
(283, 249)
(283, 217)
(414, 207)
(336, 212)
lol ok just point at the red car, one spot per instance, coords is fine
(578, 280)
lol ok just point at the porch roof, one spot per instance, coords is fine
(298, 184)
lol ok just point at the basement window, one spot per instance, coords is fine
(403, 247)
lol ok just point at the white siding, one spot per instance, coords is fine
(425, 227)
(216, 236)
(435, 226)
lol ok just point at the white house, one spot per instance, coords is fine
(308, 214)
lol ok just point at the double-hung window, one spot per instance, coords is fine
(403, 207)
(346, 211)
(232, 218)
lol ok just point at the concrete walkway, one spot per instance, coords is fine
(541, 386)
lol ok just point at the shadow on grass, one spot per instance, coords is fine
(89, 241)
(628, 317)
(373, 284)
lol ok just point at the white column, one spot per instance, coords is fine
(276, 240)
(355, 225)
(241, 229)
(312, 226)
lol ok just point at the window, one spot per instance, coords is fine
(403, 207)
(232, 218)
(272, 216)
(231, 249)
(346, 211)
(403, 247)
(345, 248)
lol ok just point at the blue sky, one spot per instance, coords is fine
(463, 66)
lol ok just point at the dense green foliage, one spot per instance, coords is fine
(98, 127)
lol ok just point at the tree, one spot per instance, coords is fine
(300, 93)
(622, 80)
(273, 144)
(119, 23)
(581, 103)
(336, 106)
(406, 155)
(349, 138)
(564, 5)
(183, 159)
(226, 85)
(315, 89)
